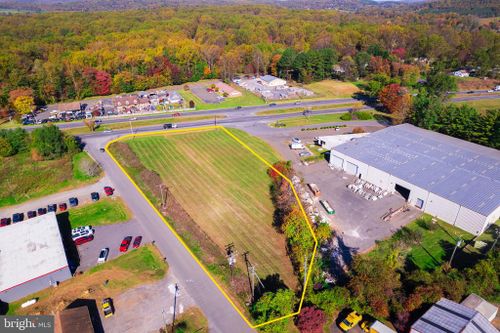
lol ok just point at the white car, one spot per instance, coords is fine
(296, 140)
(85, 228)
(103, 256)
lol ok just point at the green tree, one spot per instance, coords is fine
(273, 305)
(49, 142)
(5, 148)
(440, 83)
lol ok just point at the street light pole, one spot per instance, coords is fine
(131, 130)
(175, 304)
(454, 250)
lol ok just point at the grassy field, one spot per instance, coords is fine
(247, 99)
(139, 123)
(332, 89)
(311, 120)
(482, 105)
(139, 266)
(22, 179)
(299, 109)
(433, 249)
(78, 170)
(105, 211)
(475, 83)
(224, 188)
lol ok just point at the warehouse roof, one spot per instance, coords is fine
(30, 249)
(465, 173)
(475, 302)
(449, 317)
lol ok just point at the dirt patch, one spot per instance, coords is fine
(474, 83)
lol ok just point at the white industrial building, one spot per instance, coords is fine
(272, 81)
(32, 257)
(454, 180)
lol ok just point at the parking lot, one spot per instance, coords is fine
(200, 90)
(356, 220)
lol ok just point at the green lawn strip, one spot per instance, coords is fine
(142, 265)
(299, 109)
(310, 120)
(22, 179)
(125, 124)
(247, 99)
(102, 212)
(433, 249)
(191, 321)
(482, 105)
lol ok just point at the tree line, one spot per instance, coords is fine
(71, 55)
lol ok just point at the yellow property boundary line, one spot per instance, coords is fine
(155, 133)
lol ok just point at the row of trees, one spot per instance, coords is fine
(46, 143)
(94, 54)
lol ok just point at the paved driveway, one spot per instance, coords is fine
(82, 193)
(109, 236)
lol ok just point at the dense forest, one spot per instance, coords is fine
(481, 8)
(70, 55)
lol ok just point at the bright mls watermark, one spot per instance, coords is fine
(27, 324)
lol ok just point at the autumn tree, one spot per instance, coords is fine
(397, 100)
(311, 320)
(22, 100)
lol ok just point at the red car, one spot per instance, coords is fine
(5, 221)
(63, 206)
(84, 239)
(137, 242)
(108, 190)
(125, 244)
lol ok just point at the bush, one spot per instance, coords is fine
(311, 320)
(346, 117)
(363, 115)
(427, 224)
(5, 148)
(15, 141)
(358, 130)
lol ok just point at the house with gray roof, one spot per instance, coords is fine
(449, 317)
(451, 179)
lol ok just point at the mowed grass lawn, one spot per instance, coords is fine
(224, 188)
(136, 267)
(247, 99)
(483, 105)
(22, 179)
(102, 212)
(311, 120)
(332, 89)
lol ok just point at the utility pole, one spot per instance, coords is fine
(305, 270)
(496, 240)
(231, 257)
(175, 305)
(252, 275)
(454, 250)
(131, 130)
(215, 120)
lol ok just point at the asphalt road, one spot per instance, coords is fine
(220, 313)
(250, 111)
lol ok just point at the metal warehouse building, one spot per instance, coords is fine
(454, 180)
(32, 257)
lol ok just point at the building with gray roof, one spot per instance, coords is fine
(451, 179)
(449, 317)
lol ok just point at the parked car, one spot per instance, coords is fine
(42, 211)
(107, 307)
(94, 196)
(73, 202)
(5, 221)
(17, 217)
(82, 229)
(31, 214)
(137, 242)
(125, 244)
(108, 190)
(296, 140)
(169, 125)
(103, 256)
(52, 208)
(83, 239)
(102, 150)
(84, 233)
(63, 206)
(304, 154)
(350, 321)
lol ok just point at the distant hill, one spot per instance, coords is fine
(102, 5)
(481, 8)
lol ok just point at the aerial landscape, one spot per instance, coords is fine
(250, 166)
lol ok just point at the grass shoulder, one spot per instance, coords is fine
(139, 266)
(319, 119)
(103, 212)
(482, 105)
(190, 321)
